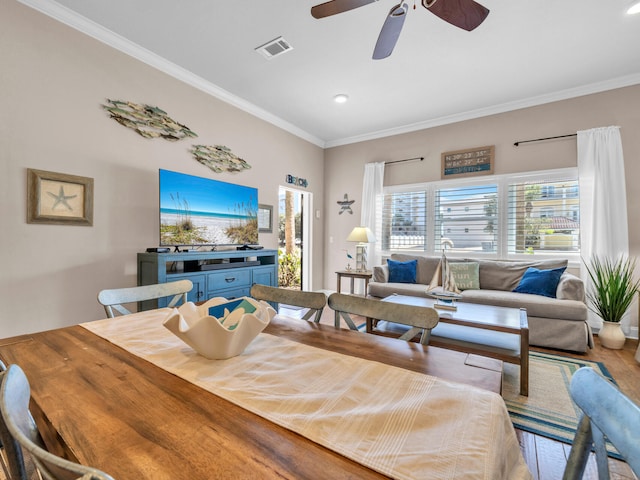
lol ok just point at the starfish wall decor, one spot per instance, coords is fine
(61, 199)
(345, 205)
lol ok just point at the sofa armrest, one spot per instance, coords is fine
(570, 287)
(381, 274)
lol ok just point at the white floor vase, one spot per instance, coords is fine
(611, 335)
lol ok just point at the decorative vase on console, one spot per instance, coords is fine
(610, 295)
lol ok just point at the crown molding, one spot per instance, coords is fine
(98, 32)
(112, 39)
(589, 89)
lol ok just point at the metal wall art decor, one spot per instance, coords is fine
(148, 121)
(219, 158)
(345, 205)
(58, 198)
(297, 181)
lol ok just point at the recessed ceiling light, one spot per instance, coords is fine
(634, 8)
(341, 98)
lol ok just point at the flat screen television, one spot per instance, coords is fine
(198, 211)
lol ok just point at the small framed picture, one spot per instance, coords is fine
(265, 218)
(59, 198)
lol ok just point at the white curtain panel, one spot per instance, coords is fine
(603, 200)
(372, 190)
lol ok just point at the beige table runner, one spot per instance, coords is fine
(400, 423)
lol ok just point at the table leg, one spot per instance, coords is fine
(524, 353)
(352, 285)
(339, 282)
(369, 325)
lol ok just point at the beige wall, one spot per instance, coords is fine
(344, 166)
(52, 82)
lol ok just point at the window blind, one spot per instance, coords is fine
(467, 218)
(544, 215)
(404, 220)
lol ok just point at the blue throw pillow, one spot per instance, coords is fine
(402, 272)
(540, 282)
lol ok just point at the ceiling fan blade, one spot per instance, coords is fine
(465, 14)
(390, 31)
(337, 6)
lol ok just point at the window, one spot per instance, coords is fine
(465, 217)
(404, 225)
(543, 214)
(546, 212)
(548, 191)
(500, 215)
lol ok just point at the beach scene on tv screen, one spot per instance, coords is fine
(201, 211)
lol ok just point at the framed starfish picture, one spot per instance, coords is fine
(59, 198)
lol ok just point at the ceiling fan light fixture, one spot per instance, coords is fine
(634, 8)
(341, 98)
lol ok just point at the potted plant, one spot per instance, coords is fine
(610, 295)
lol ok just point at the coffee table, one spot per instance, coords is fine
(487, 330)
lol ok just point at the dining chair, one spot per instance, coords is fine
(14, 405)
(15, 465)
(113, 299)
(314, 301)
(420, 319)
(607, 415)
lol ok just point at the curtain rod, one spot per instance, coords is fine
(405, 160)
(546, 138)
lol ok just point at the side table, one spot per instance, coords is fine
(353, 274)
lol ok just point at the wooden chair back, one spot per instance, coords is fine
(420, 319)
(314, 301)
(14, 464)
(113, 299)
(607, 415)
(14, 404)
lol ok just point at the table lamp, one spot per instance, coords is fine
(362, 235)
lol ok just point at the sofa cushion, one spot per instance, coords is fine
(383, 290)
(402, 272)
(465, 274)
(540, 282)
(536, 305)
(381, 273)
(505, 275)
(425, 267)
(570, 287)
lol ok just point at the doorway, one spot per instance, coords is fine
(294, 238)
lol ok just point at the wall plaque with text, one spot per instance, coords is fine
(464, 163)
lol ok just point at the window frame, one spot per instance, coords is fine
(502, 183)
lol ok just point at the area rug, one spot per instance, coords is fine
(548, 410)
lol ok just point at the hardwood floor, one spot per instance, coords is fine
(547, 458)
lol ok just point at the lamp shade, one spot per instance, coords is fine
(361, 235)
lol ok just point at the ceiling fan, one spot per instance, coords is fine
(465, 14)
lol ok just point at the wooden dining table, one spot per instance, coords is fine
(100, 405)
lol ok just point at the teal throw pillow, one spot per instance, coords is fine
(466, 275)
(402, 272)
(540, 282)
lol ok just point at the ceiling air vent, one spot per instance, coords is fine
(274, 48)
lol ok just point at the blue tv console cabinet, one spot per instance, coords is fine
(228, 274)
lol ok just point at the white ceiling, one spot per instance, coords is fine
(525, 53)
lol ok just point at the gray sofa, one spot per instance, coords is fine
(558, 323)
